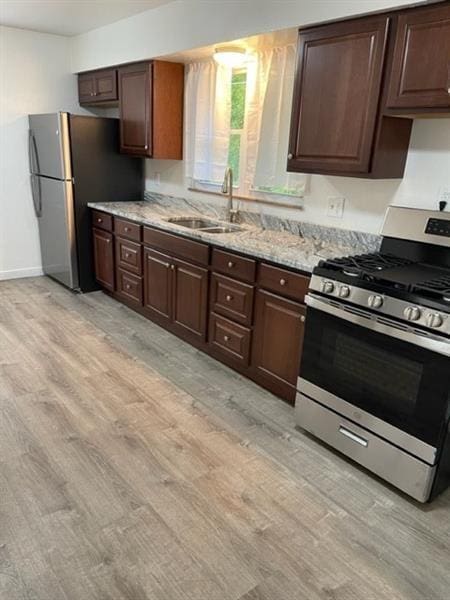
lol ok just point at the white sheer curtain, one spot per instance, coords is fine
(207, 120)
(271, 81)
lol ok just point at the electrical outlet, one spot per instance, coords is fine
(335, 207)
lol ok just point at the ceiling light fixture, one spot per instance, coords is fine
(230, 56)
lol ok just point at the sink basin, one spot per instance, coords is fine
(222, 229)
(204, 225)
(192, 223)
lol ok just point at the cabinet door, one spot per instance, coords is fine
(106, 85)
(337, 90)
(420, 75)
(158, 284)
(135, 93)
(104, 258)
(86, 88)
(190, 298)
(277, 342)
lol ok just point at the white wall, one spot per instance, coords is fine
(427, 175)
(184, 24)
(35, 77)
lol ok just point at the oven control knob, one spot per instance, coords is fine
(344, 291)
(375, 301)
(327, 287)
(412, 313)
(434, 320)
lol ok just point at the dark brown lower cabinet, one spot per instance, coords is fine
(158, 284)
(253, 330)
(277, 343)
(176, 292)
(104, 258)
(190, 297)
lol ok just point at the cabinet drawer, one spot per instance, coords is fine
(129, 286)
(177, 245)
(102, 220)
(283, 282)
(232, 298)
(234, 265)
(127, 229)
(129, 256)
(230, 339)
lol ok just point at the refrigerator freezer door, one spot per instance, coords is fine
(57, 231)
(49, 145)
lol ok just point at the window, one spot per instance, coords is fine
(241, 118)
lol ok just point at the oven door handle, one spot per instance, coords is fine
(379, 324)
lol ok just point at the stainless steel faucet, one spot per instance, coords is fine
(227, 188)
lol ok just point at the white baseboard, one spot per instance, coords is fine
(20, 273)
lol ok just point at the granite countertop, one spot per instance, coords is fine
(280, 247)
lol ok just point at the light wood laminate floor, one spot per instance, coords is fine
(133, 467)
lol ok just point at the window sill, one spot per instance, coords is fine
(253, 199)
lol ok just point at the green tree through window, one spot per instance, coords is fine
(238, 91)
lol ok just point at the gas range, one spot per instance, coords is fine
(406, 290)
(374, 381)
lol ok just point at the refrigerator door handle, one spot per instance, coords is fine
(36, 194)
(32, 152)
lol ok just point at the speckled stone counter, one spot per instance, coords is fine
(292, 244)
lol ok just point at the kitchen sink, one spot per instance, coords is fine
(192, 223)
(204, 225)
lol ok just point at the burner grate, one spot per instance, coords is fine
(440, 287)
(366, 264)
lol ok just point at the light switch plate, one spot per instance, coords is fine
(336, 207)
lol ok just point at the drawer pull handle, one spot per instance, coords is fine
(127, 255)
(290, 156)
(283, 281)
(99, 220)
(108, 241)
(352, 436)
(230, 264)
(229, 298)
(128, 286)
(303, 318)
(226, 338)
(172, 267)
(127, 229)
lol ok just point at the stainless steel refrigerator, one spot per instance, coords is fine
(75, 160)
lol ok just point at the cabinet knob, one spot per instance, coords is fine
(229, 298)
(172, 267)
(127, 255)
(127, 229)
(99, 220)
(290, 156)
(108, 241)
(146, 147)
(226, 338)
(230, 264)
(302, 318)
(283, 281)
(128, 286)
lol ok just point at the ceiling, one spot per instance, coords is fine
(70, 17)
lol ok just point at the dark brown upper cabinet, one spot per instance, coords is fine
(151, 109)
(336, 127)
(98, 87)
(420, 75)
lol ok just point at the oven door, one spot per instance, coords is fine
(384, 376)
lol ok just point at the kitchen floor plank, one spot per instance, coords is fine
(134, 467)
